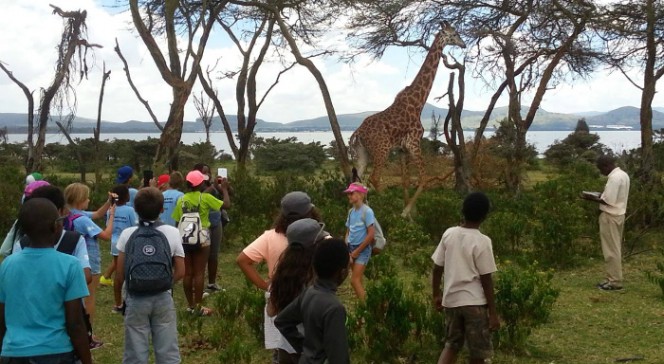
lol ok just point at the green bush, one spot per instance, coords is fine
(524, 300)
(657, 276)
(287, 155)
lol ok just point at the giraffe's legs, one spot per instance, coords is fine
(416, 156)
(405, 176)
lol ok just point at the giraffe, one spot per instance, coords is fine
(399, 125)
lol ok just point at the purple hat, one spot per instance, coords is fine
(32, 186)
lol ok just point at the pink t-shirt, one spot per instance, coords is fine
(267, 247)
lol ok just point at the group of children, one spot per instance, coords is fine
(304, 320)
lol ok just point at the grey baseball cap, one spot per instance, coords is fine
(306, 232)
(296, 204)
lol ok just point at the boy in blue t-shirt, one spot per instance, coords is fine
(124, 217)
(41, 291)
(359, 235)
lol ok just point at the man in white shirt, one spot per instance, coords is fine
(612, 204)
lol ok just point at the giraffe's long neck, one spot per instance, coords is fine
(421, 86)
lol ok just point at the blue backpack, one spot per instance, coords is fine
(148, 260)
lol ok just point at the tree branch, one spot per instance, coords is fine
(133, 87)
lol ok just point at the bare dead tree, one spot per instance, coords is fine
(140, 98)
(173, 19)
(454, 136)
(206, 83)
(64, 129)
(97, 131)
(308, 17)
(205, 112)
(31, 113)
(60, 90)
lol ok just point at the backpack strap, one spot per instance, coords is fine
(68, 242)
(69, 221)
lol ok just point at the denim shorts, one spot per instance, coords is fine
(114, 249)
(94, 255)
(364, 256)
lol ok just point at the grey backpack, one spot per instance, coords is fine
(148, 260)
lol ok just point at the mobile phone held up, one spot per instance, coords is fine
(147, 176)
(222, 172)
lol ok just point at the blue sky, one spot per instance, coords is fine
(29, 33)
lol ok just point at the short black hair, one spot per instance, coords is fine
(476, 207)
(123, 193)
(605, 160)
(37, 217)
(331, 256)
(51, 193)
(148, 203)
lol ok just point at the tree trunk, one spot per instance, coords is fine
(97, 130)
(647, 95)
(169, 142)
(329, 106)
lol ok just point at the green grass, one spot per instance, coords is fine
(586, 326)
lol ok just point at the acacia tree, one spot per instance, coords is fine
(61, 90)
(172, 18)
(517, 46)
(633, 33)
(303, 21)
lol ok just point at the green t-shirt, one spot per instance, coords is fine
(191, 199)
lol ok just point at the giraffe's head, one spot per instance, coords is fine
(449, 36)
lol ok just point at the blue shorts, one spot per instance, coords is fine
(364, 256)
(94, 256)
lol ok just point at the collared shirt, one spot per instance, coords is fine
(324, 319)
(615, 193)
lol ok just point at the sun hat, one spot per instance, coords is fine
(356, 187)
(32, 177)
(163, 179)
(296, 204)
(306, 232)
(124, 174)
(32, 186)
(196, 177)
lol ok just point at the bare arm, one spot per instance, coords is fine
(222, 188)
(178, 269)
(108, 231)
(248, 267)
(487, 287)
(88, 275)
(436, 279)
(77, 331)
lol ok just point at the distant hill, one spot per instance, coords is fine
(627, 115)
(544, 120)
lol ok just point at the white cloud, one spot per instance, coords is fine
(29, 34)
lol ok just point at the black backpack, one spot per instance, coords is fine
(148, 260)
(67, 243)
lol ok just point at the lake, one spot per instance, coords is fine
(617, 140)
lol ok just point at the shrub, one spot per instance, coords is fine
(524, 300)
(272, 155)
(657, 276)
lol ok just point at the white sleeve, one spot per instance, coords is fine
(611, 190)
(438, 256)
(122, 240)
(483, 256)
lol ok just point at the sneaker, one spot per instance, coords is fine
(105, 281)
(214, 288)
(607, 286)
(206, 294)
(117, 309)
(94, 344)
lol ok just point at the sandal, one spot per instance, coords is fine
(205, 311)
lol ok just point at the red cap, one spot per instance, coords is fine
(163, 179)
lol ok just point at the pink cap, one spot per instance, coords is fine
(356, 187)
(196, 177)
(32, 186)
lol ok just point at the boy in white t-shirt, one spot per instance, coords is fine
(465, 255)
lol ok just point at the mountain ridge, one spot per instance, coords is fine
(544, 120)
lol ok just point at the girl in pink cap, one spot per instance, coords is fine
(196, 256)
(359, 235)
